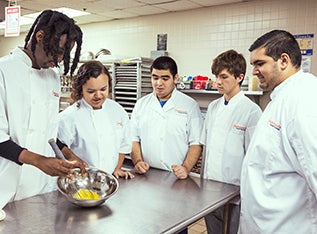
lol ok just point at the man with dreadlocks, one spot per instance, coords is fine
(29, 102)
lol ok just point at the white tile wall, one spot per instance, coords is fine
(195, 37)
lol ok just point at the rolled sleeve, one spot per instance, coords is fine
(134, 125)
(195, 126)
(11, 151)
(126, 143)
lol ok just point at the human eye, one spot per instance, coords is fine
(104, 88)
(90, 91)
(222, 77)
(258, 63)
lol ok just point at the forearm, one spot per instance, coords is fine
(193, 154)
(120, 161)
(28, 157)
(136, 153)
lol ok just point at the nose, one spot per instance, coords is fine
(255, 71)
(98, 94)
(159, 82)
(218, 80)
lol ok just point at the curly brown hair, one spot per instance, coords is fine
(85, 72)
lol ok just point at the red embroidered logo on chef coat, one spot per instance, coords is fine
(241, 128)
(274, 125)
(55, 93)
(119, 123)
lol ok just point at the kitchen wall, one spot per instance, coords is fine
(195, 37)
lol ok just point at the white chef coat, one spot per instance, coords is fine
(279, 173)
(96, 136)
(166, 133)
(226, 134)
(29, 101)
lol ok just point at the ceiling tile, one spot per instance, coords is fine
(214, 2)
(146, 10)
(153, 2)
(119, 4)
(117, 14)
(104, 10)
(178, 5)
(92, 19)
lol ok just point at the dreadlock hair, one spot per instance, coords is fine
(55, 24)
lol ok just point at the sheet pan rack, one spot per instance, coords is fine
(131, 81)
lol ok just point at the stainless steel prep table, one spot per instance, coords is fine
(156, 202)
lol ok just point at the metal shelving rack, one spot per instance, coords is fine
(109, 66)
(131, 81)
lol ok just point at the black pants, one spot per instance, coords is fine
(214, 220)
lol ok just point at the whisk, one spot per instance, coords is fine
(79, 186)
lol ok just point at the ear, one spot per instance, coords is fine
(240, 77)
(284, 61)
(175, 78)
(39, 35)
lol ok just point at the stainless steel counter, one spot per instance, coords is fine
(153, 203)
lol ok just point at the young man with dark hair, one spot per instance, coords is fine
(278, 179)
(29, 104)
(229, 125)
(166, 125)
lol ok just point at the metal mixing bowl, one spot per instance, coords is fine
(103, 183)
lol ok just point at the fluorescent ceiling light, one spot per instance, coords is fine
(30, 18)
